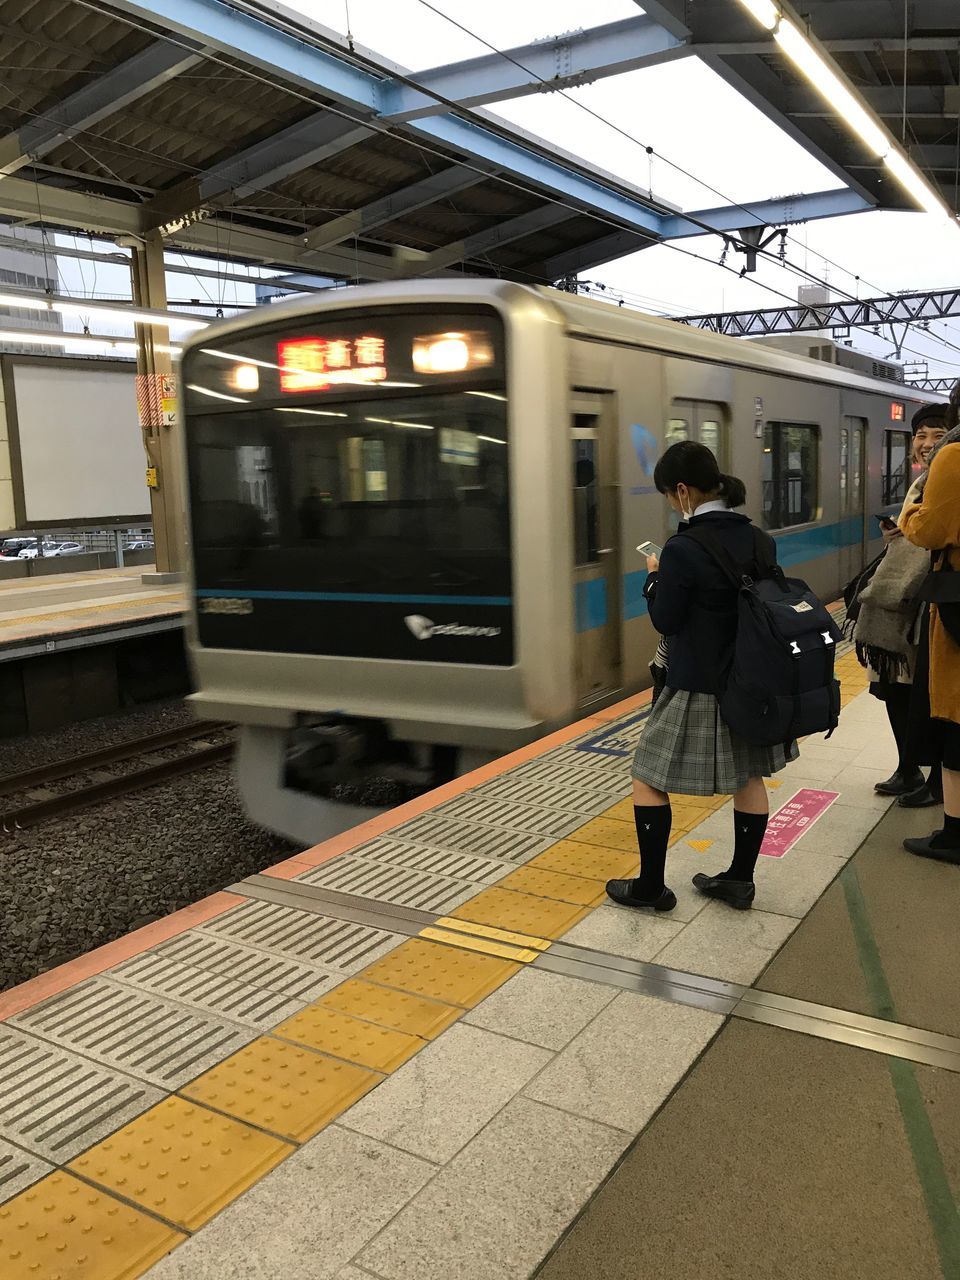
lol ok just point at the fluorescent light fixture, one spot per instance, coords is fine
(491, 439)
(169, 319)
(24, 304)
(59, 338)
(804, 55)
(916, 185)
(827, 83)
(765, 12)
(486, 395)
(215, 395)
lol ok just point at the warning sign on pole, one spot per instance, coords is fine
(156, 400)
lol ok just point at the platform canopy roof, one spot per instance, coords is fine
(246, 131)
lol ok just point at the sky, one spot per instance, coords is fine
(712, 147)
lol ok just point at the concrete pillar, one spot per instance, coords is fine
(163, 443)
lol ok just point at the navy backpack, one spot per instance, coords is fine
(780, 684)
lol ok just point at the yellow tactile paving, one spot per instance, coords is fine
(520, 912)
(554, 884)
(390, 1008)
(343, 1036)
(440, 972)
(63, 1229)
(610, 834)
(282, 1087)
(181, 1161)
(590, 860)
(494, 935)
(487, 946)
(701, 846)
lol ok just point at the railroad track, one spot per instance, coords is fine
(22, 815)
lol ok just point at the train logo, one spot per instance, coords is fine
(645, 447)
(424, 629)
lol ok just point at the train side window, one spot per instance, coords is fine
(711, 434)
(844, 471)
(585, 500)
(791, 470)
(895, 477)
(677, 429)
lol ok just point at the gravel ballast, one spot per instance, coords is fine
(74, 883)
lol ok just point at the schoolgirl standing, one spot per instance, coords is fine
(686, 747)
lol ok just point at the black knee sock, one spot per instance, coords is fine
(653, 833)
(935, 781)
(949, 837)
(749, 830)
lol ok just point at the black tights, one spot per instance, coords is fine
(897, 699)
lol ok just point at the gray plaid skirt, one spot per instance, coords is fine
(686, 748)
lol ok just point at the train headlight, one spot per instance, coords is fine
(246, 377)
(451, 352)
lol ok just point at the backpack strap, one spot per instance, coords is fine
(763, 555)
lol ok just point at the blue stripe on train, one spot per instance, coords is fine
(792, 549)
(590, 604)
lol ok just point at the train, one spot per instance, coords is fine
(415, 508)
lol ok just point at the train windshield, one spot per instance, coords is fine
(355, 468)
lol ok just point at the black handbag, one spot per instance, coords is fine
(942, 587)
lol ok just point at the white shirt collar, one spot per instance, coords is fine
(716, 505)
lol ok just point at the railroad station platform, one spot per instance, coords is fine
(430, 1048)
(62, 611)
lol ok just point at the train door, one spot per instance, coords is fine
(597, 568)
(853, 451)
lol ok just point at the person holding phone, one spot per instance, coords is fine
(686, 747)
(887, 629)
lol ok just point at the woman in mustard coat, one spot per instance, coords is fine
(933, 522)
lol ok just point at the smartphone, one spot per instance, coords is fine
(650, 549)
(886, 522)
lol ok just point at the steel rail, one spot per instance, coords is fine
(30, 815)
(116, 754)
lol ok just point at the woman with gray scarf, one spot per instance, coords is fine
(887, 627)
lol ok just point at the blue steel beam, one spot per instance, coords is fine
(765, 213)
(290, 59)
(100, 98)
(542, 66)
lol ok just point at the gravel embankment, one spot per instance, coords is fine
(73, 883)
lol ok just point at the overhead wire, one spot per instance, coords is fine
(427, 149)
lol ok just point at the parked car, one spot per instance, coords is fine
(13, 546)
(141, 544)
(63, 549)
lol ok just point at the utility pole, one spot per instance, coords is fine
(160, 418)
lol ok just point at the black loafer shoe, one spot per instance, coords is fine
(900, 784)
(922, 798)
(925, 847)
(622, 891)
(735, 893)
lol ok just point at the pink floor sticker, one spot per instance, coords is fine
(792, 819)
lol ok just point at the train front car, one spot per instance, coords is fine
(362, 471)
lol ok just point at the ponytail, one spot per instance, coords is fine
(733, 491)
